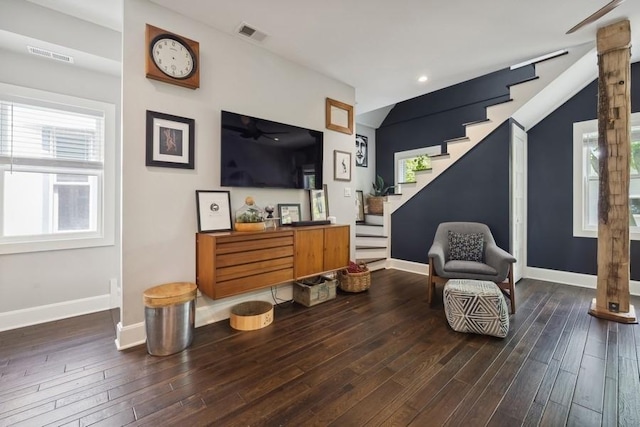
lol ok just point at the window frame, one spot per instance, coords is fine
(105, 195)
(580, 181)
(401, 156)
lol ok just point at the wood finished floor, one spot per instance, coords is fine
(378, 358)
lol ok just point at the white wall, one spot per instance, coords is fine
(365, 176)
(159, 211)
(41, 286)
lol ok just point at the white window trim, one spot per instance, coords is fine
(106, 234)
(402, 155)
(580, 229)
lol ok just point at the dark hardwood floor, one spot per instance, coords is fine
(379, 358)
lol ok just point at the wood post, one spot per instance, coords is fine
(614, 145)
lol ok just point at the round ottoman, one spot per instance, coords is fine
(476, 306)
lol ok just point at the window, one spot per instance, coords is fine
(408, 162)
(56, 171)
(586, 179)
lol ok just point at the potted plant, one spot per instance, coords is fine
(249, 217)
(378, 196)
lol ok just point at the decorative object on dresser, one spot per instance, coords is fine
(249, 217)
(170, 141)
(289, 212)
(172, 58)
(214, 210)
(319, 204)
(339, 116)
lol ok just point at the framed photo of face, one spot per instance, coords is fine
(362, 155)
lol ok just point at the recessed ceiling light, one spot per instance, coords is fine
(422, 79)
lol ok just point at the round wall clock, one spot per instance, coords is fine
(172, 58)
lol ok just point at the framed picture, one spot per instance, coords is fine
(214, 210)
(289, 213)
(341, 165)
(319, 203)
(359, 206)
(362, 157)
(170, 141)
(339, 116)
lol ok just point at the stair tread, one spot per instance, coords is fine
(370, 247)
(506, 101)
(371, 224)
(476, 122)
(523, 81)
(371, 235)
(458, 139)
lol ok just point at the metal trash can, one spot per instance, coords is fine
(169, 314)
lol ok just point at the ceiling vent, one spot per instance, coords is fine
(49, 54)
(250, 32)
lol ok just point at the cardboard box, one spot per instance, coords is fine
(309, 294)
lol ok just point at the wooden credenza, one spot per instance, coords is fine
(231, 263)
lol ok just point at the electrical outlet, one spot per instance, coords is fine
(347, 191)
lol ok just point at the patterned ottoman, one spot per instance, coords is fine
(476, 306)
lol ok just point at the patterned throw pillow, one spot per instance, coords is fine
(465, 247)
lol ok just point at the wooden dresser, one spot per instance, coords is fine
(230, 263)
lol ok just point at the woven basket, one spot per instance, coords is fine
(376, 205)
(354, 282)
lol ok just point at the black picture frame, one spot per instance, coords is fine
(360, 207)
(170, 141)
(289, 212)
(362, 151)
(214, 210)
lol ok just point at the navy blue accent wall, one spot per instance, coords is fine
(475, 188)
(551, 244)
(430, 119)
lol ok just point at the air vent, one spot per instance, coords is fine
(49, 54)
(250, 32)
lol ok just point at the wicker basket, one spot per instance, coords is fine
(354, 282)
(376, 205)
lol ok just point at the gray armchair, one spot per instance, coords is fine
(492, 264)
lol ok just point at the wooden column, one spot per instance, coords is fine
(614, 142)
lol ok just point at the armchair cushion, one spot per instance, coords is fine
(466, 246)
(469, 267)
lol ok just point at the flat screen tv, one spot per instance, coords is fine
(260, 153)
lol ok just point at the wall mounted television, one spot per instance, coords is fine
(261, 153)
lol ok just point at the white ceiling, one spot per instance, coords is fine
(381, 47)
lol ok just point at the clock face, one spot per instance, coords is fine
(172, 57)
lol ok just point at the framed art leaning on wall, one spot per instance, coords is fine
(214, 210)
(319, 204)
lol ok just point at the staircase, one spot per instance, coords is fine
(372, 240)
(521, 93)
(557, 79)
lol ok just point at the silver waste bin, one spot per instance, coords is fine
(169, 315)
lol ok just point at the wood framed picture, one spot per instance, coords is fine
(339, 116)
(341, 165)
(170, 141)
(288, 213)
(359, 206)
(214, 210)
(319, 204)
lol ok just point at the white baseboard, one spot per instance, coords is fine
(410, 266)
(573, 279)
(207, 311)
(48, 313)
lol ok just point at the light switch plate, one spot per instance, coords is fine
(347, 191)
